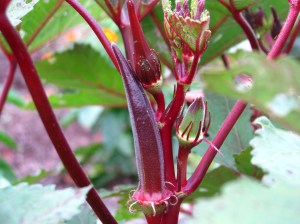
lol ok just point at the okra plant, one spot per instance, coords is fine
(189, 54)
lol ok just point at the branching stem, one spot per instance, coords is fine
(95, 27)
(239, 18)
(49, 120)
(285, 32)
(293, 38)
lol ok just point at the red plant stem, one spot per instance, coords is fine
(167, 121)
(172, 215)
(183, 160)
(160, 100)
(188, 80)
(44, 22)
(285, 32)
(96, 28)
(210, 154)
(8, 82)
(225, 60)
(150, 7)
(128, 42)
(293, 38)
(263, 47)
(49, 120)
(239, 18)
(153, 219)
(166, 138)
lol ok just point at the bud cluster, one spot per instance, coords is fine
(261, 25)
(192, 128)
(187, 28)
(145, 62)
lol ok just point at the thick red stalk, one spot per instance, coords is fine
(48, 118)
(167, 120)
(95, 27)
(293, 38)
(160, 100)
(150, 7)
(183, 160)
(285, 32)
(171, 217)
(188, 80)
(128, 41)
(210, 154)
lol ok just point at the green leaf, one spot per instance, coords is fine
(86, 76)
(241, 4)
(33, 179)
(244, 165)
(213, 182)
(17, 9)
(6, 171)
(62, 19)
(86, 216)
(123, 192)
(37, 204)
(247, 201)
(7, 140)
(238, 139)
(226, 32)
(277, 152)
(280, 101)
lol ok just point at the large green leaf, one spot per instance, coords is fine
(238, 139)
(37, 204)
(244, 165)
(213, 182)
(59, 17)
(226, 32)
(280, 100)
(17, 9)
(247, 201)
(277, 152)
(86, 77)
(86, 216)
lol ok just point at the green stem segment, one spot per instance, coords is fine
(47, 116)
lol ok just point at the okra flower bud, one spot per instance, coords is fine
(187, 29)
(145, 62)
(256, 19)
(276, 27)
(152, 192)
(192, 128)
